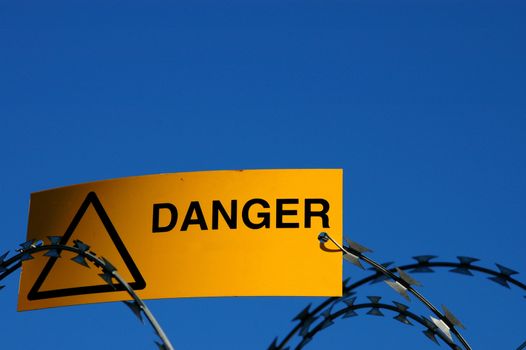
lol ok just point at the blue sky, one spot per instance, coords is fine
(420, 102)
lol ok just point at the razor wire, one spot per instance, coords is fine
(84, 255)
(347, 307)
(353, 252)
(307, 327)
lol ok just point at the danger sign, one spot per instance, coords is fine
(217, 233)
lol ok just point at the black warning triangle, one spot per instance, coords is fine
(138, 283)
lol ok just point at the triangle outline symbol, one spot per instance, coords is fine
(139, 283)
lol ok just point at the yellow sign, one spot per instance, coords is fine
(216, 233)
